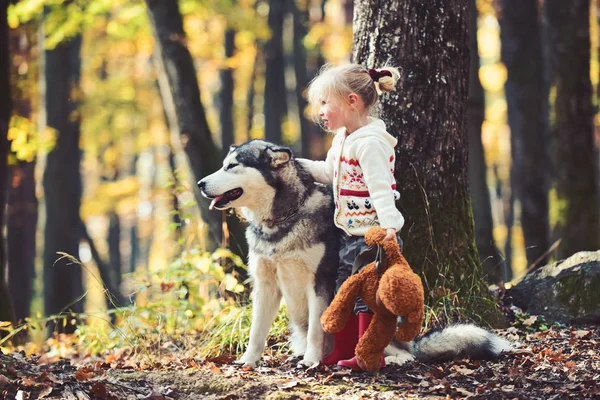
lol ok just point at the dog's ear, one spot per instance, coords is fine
(232, 148)
(279, 156)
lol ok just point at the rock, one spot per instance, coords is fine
(567, 291)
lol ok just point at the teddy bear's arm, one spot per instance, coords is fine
(336, 316)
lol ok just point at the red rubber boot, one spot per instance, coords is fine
(344, 342)
(364, 319)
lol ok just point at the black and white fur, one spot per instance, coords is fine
(293, 253)
(293, 244)
(452, 342)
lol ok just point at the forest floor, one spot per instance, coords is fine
(560, 363)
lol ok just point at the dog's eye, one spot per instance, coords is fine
(230, 166)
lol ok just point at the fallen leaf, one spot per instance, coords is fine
(530, 321)
(28, 381)
(288, 385)
(82, 376)
(581, 334)
(45, 391)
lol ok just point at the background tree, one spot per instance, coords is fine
(573, 147)
(5, 112)
(187, 119)
(63, 286)
(226, 94)
(22, 210)
(527, 99)
(490, 258)
(275, 107)
(429, 42)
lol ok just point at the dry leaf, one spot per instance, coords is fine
(530, 321)
(581, 334)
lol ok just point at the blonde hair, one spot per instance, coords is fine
(340, 81)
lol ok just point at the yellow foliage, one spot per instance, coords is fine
(493, 77)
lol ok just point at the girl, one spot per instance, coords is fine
(360, 165)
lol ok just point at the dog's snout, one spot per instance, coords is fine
(202, 184)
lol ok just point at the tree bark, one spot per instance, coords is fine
(22, 210)
(275, 92)
(226, 96)
(62, 180)
(311, 141)
(428, 40)
(489, 256)
(527, 99)
(573, 144)
(186, 117)
(6, 312)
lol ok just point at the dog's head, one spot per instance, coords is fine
(248, 177)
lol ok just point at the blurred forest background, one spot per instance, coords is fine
(116, 189)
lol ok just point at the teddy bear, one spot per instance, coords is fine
(391, 290)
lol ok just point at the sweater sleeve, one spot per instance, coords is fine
(374, 158)
(322, 171)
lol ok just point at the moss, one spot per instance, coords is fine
(579, 293)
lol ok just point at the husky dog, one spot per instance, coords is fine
(294, 253)
(293, 243)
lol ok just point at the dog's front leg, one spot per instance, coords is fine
(265, 304)
(316, 335)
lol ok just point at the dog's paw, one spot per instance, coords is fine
(310, 359)
(248, 360)
(308, 363)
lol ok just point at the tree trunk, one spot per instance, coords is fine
(62, 180)
(489, 256)
(309, 131)
(22, 210)
(275, 93)
(6, 313)
(574, 151)
(428, 40)
(527, 99)
(186, 117)
(21, 231)
(226, 96)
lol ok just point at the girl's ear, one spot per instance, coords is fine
(353, 99)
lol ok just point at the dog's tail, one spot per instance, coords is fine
(450, 343)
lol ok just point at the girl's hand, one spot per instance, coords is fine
(391, 234)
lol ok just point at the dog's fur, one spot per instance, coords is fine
(293, 245)
(294, 253)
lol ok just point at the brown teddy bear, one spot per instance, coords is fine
(393, 291)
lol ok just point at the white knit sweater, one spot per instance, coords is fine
(360, 166)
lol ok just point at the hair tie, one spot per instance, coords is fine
(376, 75)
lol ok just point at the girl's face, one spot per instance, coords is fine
(332, 114)
(342, 113)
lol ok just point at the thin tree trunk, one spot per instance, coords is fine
(574, 151)
(226, 96)
(6, 312)
(22, 210)
(21, 240)
(429, 42)
(186, 117)
(63, 284)
(527, 99)
(489, 256)
(275, 108)
(309, 131)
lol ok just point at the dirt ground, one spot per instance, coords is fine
(560, 363)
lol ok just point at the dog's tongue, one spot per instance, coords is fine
(214, 201)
